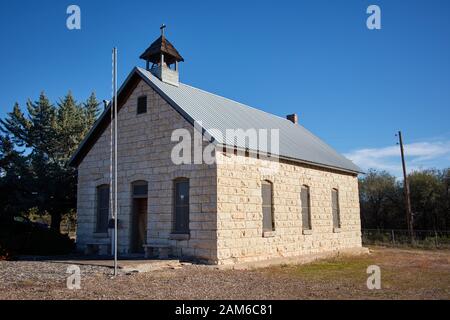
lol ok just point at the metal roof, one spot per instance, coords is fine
(215, 112)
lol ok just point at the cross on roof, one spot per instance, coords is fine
(163, 26)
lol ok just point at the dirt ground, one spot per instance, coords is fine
(405, 274)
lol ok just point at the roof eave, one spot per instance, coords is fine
(311, 163)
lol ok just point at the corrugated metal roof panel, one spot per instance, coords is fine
(219, 113)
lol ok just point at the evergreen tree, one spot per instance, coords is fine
(51, 135)
(15, 183)
(91, 109)
(40, 133)
(70, 128)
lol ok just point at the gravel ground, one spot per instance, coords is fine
(406, 274)
(35, 273)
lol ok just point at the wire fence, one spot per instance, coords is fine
(393, 237)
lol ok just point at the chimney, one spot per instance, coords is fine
(292, 118)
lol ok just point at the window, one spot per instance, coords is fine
(142, 105)
(335, 208)
(181, 201)
(140, 189)
(267, 195)
(306, 208)
(102, 209)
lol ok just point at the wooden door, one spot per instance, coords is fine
(139, 232)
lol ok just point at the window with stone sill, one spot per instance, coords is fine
(102, 208)
(305, 200)
(335, 209)
(267, 206)
(181, 206)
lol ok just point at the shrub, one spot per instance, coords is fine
(32, 239)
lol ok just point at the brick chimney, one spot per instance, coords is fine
(292, 118)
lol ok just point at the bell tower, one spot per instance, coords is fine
(162, 59)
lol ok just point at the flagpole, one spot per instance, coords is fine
(115, 163)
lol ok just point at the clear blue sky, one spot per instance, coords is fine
(352, 87)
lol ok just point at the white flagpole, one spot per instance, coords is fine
(115, 163)
(111, 159)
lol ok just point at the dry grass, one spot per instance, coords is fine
(405, 274)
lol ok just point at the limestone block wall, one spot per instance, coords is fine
(239, 210)
(225, 198)
(144, 144)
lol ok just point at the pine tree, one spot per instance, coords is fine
(15, 184)
(40, 127)
(70, 128)
(91, 109)
(17, 126)
(50, 135)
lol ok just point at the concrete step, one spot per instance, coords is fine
(148, 265)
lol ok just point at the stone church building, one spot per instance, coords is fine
(252, 203)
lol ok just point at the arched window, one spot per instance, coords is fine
(305, 200)
(267, 207)
(102, 208)
(181, 206)
(335, 208)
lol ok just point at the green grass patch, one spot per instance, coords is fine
(348, 267)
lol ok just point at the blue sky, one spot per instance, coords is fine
(351, 86)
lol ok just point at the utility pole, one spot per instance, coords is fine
(409, 218)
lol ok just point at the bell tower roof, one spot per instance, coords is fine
(162, 46)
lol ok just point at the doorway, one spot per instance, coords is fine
(139, 217)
